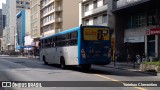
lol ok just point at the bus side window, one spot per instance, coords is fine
(73, 42)
(45, 43)
(73, 38)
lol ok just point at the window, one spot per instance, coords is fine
(135, 21)
(74, 35)
(27, 3)
(95, 21)
(151, 19)
(142, 20)
(104, 2)
(87, 22)
(129, 22)
(73, 42)
(86, 7)
(104, 18)
(95, 4)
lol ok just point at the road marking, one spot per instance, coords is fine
(139, 88)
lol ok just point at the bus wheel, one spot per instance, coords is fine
(62, 63)
(88, 66)
(44, 60)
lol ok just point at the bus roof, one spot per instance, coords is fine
(63, 32)
(71, 30)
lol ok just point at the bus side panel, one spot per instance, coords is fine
(68, 53)
(71, 55)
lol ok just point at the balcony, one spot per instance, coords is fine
(95, 11)
(48, 13)
(47, 23)
(45, 5)
(58, 30)
(58, 19)
(58, 9)
(123, 3)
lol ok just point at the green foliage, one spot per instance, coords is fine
(152, 63)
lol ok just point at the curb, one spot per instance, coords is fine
(144, 72)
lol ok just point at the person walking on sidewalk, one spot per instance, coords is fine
(138, 58)
(128, 58)
(143, 58)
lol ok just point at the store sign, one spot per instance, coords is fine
(153, 31)
(134, 39)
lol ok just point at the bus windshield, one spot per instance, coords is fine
(96, 33)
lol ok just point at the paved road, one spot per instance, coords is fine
(23, 69)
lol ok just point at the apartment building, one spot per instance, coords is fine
(35, 20)
(58, 15)
(137, 27)
(22, 4)
(94, 12)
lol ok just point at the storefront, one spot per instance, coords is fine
(153, 42)
(135, 45)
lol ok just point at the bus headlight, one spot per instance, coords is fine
(83, 53)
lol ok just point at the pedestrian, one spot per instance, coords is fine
(116, 54)
(143, 58)
(128, 58)
(138, 58)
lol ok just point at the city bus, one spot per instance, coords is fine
(82, 46)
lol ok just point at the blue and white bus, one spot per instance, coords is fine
(83, 46)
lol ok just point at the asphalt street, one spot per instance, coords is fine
(27, 69)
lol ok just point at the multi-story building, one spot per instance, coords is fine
(94, 12)
(12, 7)
(22, 4)
(23, 27)
(4, 13)
(10, 24)
(1, 23)
(35, 20)
(58, 15)
(1, 28)
(137, 27)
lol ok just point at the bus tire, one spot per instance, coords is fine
(62, 63)
(44, 60)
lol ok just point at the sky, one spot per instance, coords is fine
(2, 1)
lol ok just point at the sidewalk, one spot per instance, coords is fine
(124, 66)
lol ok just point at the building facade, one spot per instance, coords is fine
(10, 24)
(23, 27)
(137, 27)
(1, 23)
(94, 12)
(3, 42)
(35, 20)
(55, 15)
(22, 4)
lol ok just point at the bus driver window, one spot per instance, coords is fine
(100, 35)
